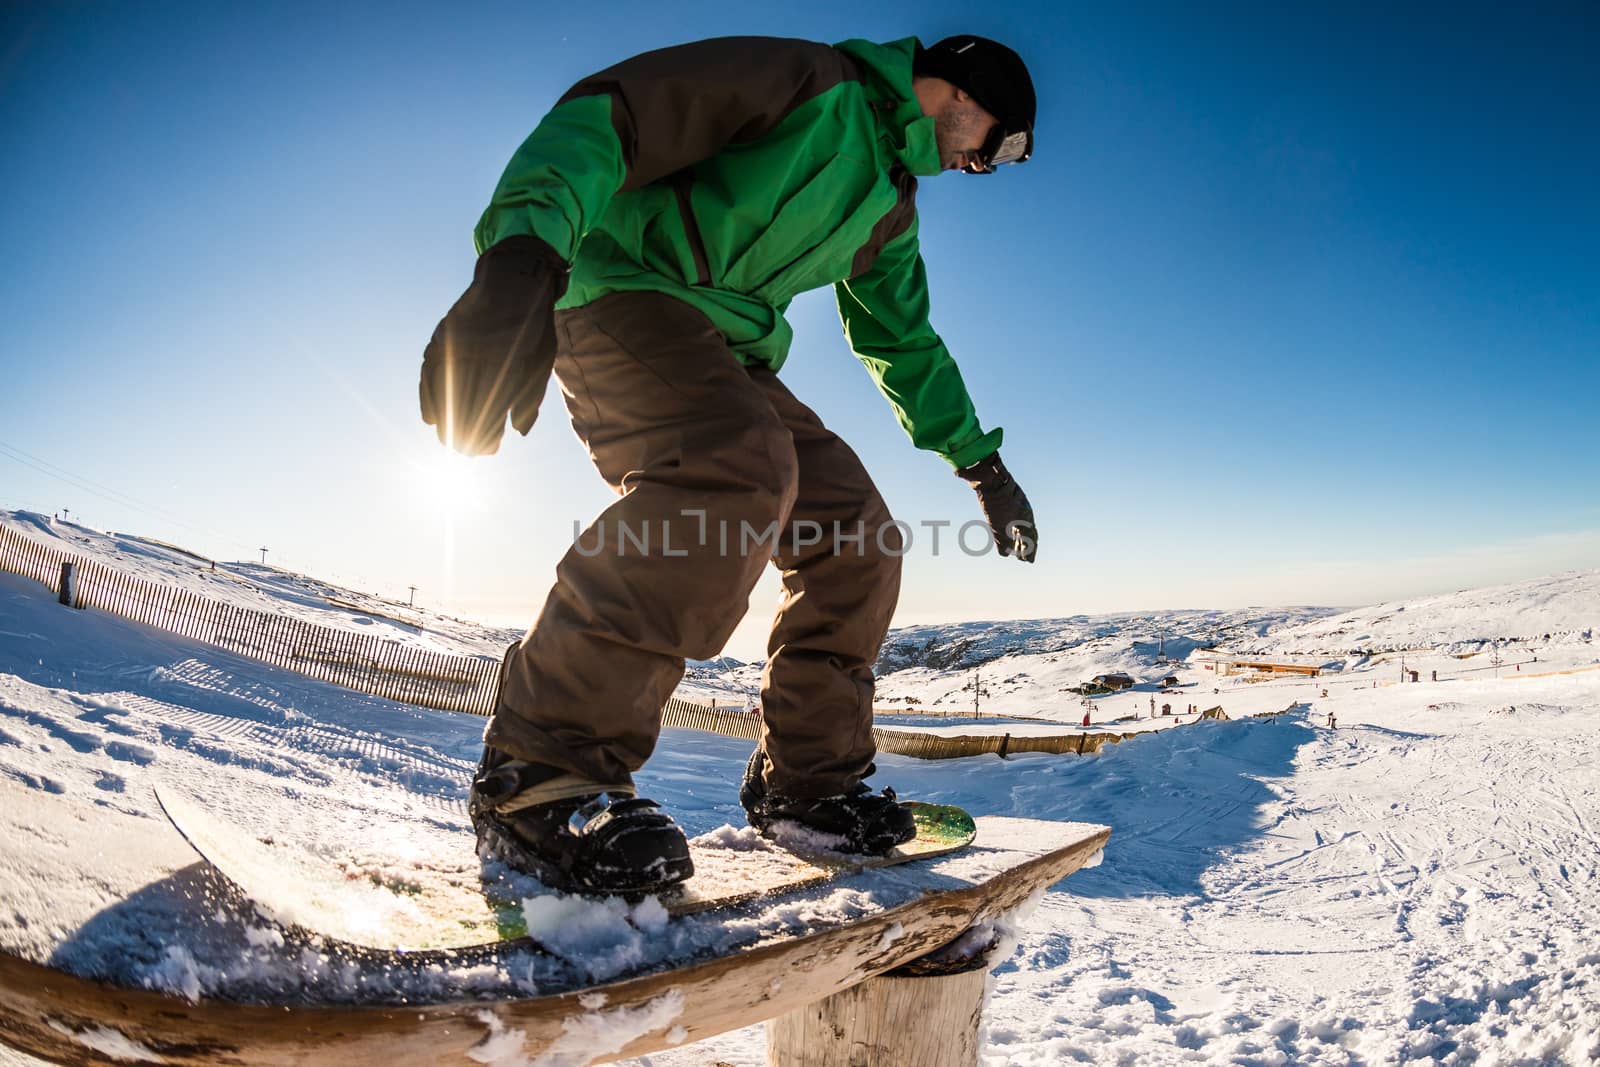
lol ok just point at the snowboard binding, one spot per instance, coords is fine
(861, 820)
(599, 843)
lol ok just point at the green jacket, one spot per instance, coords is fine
(738, 172)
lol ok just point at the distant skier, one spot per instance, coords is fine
(1333, 724)
(645, 240)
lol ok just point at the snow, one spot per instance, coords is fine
(263, 587)
(599, 933)
(1420, 884)
(596, 1033)
(502, 1046)
(1560, 609)
(109, 1042)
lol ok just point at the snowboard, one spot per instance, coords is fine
(436, 909)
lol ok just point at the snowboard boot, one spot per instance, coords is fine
(864, 821)
(596, 843)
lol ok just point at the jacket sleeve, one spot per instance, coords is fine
(646, 118)
(885, 314)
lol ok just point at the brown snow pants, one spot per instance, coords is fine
(719, 470)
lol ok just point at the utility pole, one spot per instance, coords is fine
(977, 690)
(1496, 659)
(413, 601)
(263, 555)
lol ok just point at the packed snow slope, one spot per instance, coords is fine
(1420, 883)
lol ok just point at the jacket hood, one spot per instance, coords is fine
(900, 118)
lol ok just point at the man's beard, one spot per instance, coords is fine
(953, 130)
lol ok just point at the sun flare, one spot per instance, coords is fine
(447, 480)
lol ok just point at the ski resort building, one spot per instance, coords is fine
(1113, 682)
(1304, 666)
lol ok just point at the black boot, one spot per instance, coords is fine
(596, 843)
(864, 821)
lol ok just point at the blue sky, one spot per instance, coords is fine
(1290, 306)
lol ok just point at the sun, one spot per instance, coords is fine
(447, 480)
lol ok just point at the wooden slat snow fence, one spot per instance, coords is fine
(384, 668)
(364, 662)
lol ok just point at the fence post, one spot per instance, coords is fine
(69, 583)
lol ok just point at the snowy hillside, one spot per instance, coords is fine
(1562, 609)
(1042, 655)
(1022, 667)
(262, 587)
(1173, 634)
(1027, 667)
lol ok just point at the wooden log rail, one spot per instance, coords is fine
(787, 978)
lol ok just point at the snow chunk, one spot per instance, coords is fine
(597, 1034)
(178, 972)
(797, 837)
(595, 936)
(650, 915)
(500, 1047)
(263, 936)
(109, 1042)
(744, 839)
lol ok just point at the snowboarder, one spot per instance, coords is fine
(644, 241)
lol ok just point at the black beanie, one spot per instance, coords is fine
(988, 71)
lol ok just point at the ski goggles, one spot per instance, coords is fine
(1001, 147)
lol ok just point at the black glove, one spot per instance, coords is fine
(491, 354)
(1006, 507)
